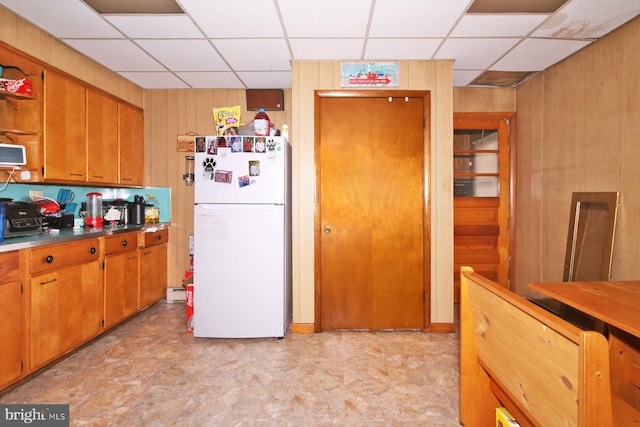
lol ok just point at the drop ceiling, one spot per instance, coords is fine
(252, 43)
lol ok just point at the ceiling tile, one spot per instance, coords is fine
(234, 18)
(401, 48)
(321, 49)
(497, 25)
(475, 53)
(117, 55)
(538, 54)
(335, 18)
(266, 79)
(415, 18)
(155, 26)
(154, 80)
(255, 54)
(211, 80)
(584, 19)
(216, 42)
(64, 18)
(462, 78)
(184, 55)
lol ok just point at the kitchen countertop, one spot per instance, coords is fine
(54, 236)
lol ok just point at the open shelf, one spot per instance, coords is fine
(5, 94)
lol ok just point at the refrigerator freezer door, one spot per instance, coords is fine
(225, 175)
(239, 271)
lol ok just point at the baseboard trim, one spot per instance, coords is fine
(303, 328)
(441, 328)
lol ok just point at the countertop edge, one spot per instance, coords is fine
(52, 237)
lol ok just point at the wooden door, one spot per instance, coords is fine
(11, 308)
(131, 130)
(66, 310)
(483, 168)
(371, 224)
(10, 331)
(121, 287)
(65, 141)
(153, 274)
(102, 135)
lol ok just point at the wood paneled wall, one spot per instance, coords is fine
(484, 100)
(435, 76)
(578, 127)
(29, 39)
(167, 114)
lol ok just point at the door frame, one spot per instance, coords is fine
(510, 119)
(426, 201)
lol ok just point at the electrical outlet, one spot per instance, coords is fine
(36, 194)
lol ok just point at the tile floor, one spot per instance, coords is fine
(149, 372)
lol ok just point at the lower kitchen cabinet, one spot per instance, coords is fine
(153, 266)
(66, 298)
(120, 277)
(11, 321)
(54, 298)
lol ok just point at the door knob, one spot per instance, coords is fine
(327, 229)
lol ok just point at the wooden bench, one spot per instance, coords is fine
(544, 370)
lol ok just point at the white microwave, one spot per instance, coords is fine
(12, 155)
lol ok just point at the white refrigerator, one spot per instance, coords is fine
(242, 237)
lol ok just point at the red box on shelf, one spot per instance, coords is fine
(21, 86)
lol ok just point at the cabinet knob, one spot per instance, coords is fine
(159, 237)
(124, 243)
(49, 259)
(92, 250)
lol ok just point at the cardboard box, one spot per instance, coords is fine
(22, 86)
(505, 419)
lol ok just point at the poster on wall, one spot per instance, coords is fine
(369, 74)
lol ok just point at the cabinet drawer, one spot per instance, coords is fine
(9, 266)
(57, 256)
(155, 238)
(120, 243)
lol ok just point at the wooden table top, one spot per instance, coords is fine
(617, 303)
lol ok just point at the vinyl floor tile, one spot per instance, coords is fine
(150, 372)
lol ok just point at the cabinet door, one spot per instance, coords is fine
(153, 274)
(66, 310)
(121, 287)
(10, 332)
(10, 318)
(102, 138)
(65, 142)
(131, 145)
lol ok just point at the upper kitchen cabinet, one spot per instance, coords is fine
(102, 138)
(74, 133)
(65, 129)
(131, 121)
(20, 114)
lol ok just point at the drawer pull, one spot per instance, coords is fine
(92, 250)
(124, 243)
(49, 259)
(159, 237)
(46, 282)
